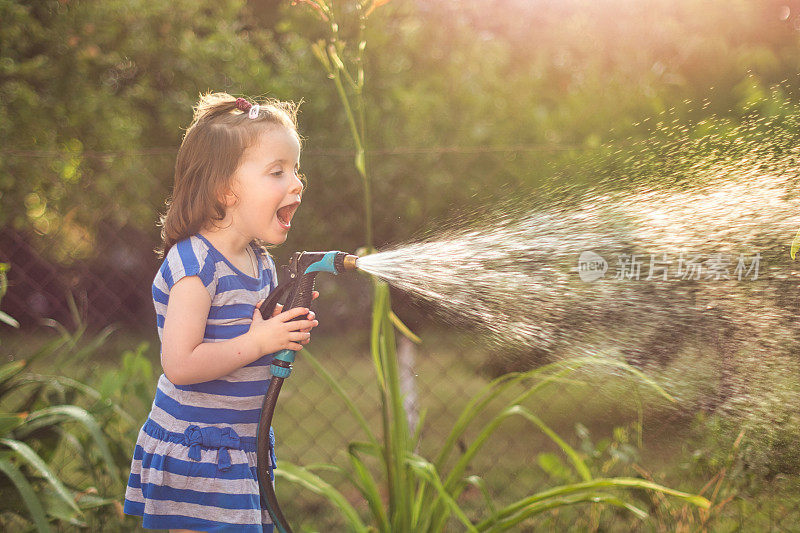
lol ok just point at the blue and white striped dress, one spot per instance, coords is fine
(194, 464)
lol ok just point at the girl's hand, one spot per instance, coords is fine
(281, 332)
(279, 307)
(311, 315)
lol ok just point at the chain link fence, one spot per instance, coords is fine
(103, 257)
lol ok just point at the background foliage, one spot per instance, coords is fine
(94, 96)
(468, 102)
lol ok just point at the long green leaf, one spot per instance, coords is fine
(82, 387)
(393, 433)
(4, 267)
(420, 495)
(369, 488)
(571, 365)
(72, 441)
(10, 421)
(400, 439)
(92, 346)
(606, 361)
(402, 328)
(375, 335)
(599, 483)
(379, 297)
(428, 472)
(63, 413)
(25, 452)
(416, 509)
(492, 390)
(458, 470)
(559, 369)
(90, 501)
(553, 503)
(368, 448)
(455, 475)
(72, 338)
(9, 370)
(26, 491)
(795, 245)
(476, 406)
(577, 462)
(477, 482)
(75, 312)
(371, 494)
(8, 319)
(326, 467)
(49, 348)
(58, 511)
(317, 485)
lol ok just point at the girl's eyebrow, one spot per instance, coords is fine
(279, 161)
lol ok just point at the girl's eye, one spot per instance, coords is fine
(277, 173)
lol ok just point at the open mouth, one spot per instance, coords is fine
(286, 213)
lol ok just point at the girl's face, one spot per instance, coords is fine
(266, 188)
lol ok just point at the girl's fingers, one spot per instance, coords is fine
(278, 309)
(300, 325)
(315, 323)
(293, 313)
(295, 347)
(299, 336)
(314, 295)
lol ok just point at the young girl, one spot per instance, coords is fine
(237, 183)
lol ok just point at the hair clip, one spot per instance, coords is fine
(254, 111)
(243, 105)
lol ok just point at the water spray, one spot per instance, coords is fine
(301, 274)
(518, 277)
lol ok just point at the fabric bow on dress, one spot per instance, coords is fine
(212, 437)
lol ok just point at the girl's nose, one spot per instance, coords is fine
(297, 186)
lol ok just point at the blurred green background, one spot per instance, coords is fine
(469, 103)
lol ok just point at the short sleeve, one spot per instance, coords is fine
(190, 257)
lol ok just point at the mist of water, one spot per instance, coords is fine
(713, 268)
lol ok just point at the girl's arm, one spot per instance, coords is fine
(186, 359)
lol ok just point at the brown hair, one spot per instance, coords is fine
(209, 156)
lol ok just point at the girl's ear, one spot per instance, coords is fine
(227, 196)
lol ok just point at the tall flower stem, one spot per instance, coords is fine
(360, 158)
(330, 56)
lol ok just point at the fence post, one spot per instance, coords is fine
(406, 353)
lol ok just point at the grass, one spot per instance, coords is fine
(312, 425)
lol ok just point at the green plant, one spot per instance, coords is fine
(133, 383)
(422, 494)
(38, 415)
